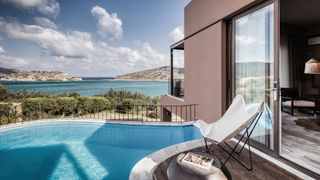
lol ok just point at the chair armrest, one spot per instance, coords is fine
(286, 98)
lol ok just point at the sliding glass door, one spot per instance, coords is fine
(254, 72)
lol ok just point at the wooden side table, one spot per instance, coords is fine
(178, 170)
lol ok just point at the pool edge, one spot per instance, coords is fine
(144, 169)
(43, 121)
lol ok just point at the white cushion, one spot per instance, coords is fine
(299, 103)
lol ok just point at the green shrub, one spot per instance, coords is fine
(33, 101)
(99, 95)
(140, 102)
(62, 95)
(85, 100)
(32, 108)
(67, 100)
(7, 114)
(74, 94)
(111, 100)
(84, 105)
(155, 100)
(49, 105)
(127, 102)
(4, 93)
(126, 105)
(100, 100)
(67, 105)
(99, 104)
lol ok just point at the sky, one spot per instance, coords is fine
(90, 38)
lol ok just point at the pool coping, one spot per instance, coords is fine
(91, 120)
(144, 169)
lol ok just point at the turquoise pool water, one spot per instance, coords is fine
(266, 119)
(83, 150)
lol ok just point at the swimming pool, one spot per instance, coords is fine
(83, 150)
(266, 120)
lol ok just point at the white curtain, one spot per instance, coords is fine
(284, 61)
(254, 62)
(254, 55)
(292, 62)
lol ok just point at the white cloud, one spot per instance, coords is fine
(12, 62)
(176, 35)
(74, 43)
(136, 42)
(45, 22)
(47, 7)
(2, 51)
(245, 40)
(178, 58)
(77, 51)
(107, 24)
(102, 44)
(1, 38)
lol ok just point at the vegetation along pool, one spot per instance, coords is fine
(83, 150)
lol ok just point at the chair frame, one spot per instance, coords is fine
(292, 106)
(248, 134)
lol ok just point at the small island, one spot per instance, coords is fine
(39, 76)
(157, 74)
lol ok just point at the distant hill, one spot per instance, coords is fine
(157, 74)
(257, 69)
(5, 72)
(16, 75)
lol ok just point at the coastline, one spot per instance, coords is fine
(31, 80)
(138, 80)
(90, 87)
(85, 80)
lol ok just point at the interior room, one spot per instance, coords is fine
(299, 82)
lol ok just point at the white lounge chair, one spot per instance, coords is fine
(235, 120)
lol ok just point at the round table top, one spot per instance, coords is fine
(195, 170)
(180, 170)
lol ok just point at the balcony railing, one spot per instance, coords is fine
(178, 88)
(144, 113)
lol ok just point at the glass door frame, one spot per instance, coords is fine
(231, 85)
(276, 138)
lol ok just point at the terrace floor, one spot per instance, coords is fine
(299, 144)
(263, 169)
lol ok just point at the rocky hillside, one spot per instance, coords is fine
(39, 76)
(157, 74)
(5, 72)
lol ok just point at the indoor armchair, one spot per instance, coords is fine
(290, 99)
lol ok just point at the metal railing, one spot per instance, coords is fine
(144, 113)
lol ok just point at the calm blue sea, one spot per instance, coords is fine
(90, 86)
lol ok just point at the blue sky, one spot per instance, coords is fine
(89, 38)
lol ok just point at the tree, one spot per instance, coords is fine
(4, 93)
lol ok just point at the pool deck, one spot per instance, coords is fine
(144, 169)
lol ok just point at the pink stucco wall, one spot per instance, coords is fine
(203, 74)
(205, 56)
(201, 13)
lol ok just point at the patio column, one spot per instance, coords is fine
(171, 83)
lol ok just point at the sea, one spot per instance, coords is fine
(90, 86)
